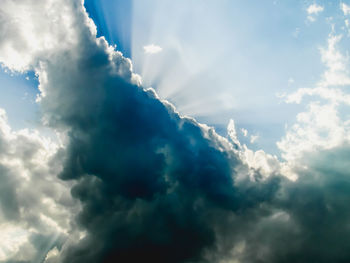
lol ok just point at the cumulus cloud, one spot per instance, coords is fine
(152, 185)
(30, 30)
(34, 203)
(149, 181)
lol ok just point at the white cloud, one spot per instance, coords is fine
(318, 128)
(321, 126)
(332, 95)
(152, 49)
(38, 27)
(314, 9)
(11, 240)
(311, 18)
(27, 155)
(254, 138)
(265, 163)
(232, 133)
(345, 8)
(32, 199)
(337, 73)
(244, 132)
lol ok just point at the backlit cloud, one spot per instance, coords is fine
(130, 179)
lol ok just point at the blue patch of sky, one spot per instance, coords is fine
(18, 94)
(247, 51)
(244, 52)
(113, 19)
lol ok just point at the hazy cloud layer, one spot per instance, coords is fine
(153, 185)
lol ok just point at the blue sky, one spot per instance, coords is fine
(97, 166)
(229, 59)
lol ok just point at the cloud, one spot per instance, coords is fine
(152, 49)
(323, 125)
(149, 181)
(314, 9)
(154, 185)
(231, 130)
(244, 132)
(34, 203)
(337, 73)
(253, 138)
(345, 8)
(38, 33)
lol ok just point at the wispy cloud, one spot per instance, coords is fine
(152, 49)
(345, 8)
(337, 73)
(314, 9)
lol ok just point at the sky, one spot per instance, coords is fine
(223, 53)
(174, 131)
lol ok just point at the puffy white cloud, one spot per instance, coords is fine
(314, 9)
(35, 206)
(32, 30)
(318, 128)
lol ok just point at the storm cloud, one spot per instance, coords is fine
(154, 185)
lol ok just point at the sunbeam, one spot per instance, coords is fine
(174, 131)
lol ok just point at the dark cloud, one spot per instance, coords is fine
(150, 182)
(158, 187)
(8, 197)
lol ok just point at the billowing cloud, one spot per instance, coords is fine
(35, 206)
(152, 185)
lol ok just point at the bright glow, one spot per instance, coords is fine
(11, 239)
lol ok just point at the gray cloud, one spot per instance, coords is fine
(154, 185)
(34, 204)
